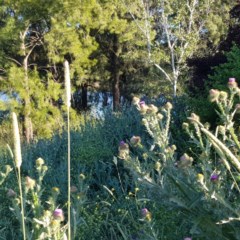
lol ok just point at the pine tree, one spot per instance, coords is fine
(31, 89)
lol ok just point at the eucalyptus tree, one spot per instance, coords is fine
(182, 27)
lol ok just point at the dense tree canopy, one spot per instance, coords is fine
(120, 46)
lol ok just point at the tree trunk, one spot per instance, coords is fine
(174, 89)
(116, 74)
(84, 97)
(105, 99)
(175, 83)
(27, 125)
(28, 129)
(116, 90)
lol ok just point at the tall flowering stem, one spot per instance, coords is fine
(18, 163)
(68, 104)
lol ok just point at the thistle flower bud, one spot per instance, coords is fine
(82, 176)
(123, 146)
(185, 126)
(123, 150)
(168, 106)
(207, 125)
(39, 162)
(146, 214)
(67, 83)
(45, 168)
(174, 148)
(135, 140)
(185, 161)
(222, 129)
(223, 96)
(200, 178)
(17, 145)
(157, 166)
(214, 95)
(194, 118)
(30, 183)
(159, 116)
(55, 190)
(214, 178)
(135, 101)
(232, 83)
(152, 109)
(58, 214)
(143, 107)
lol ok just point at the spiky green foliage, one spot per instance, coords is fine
(202, 189)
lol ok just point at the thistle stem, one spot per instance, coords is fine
(21, 199)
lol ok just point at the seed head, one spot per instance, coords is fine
(17, 144)
(67, 83)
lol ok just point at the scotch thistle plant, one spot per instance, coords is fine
(203, 187)
(45, 219)
(161, 153)
(224, 140)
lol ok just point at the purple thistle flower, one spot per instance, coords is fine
(58, 214)
(121, 143)
(144, 212)
(232, 83)
(231, 80)
(214, 177)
